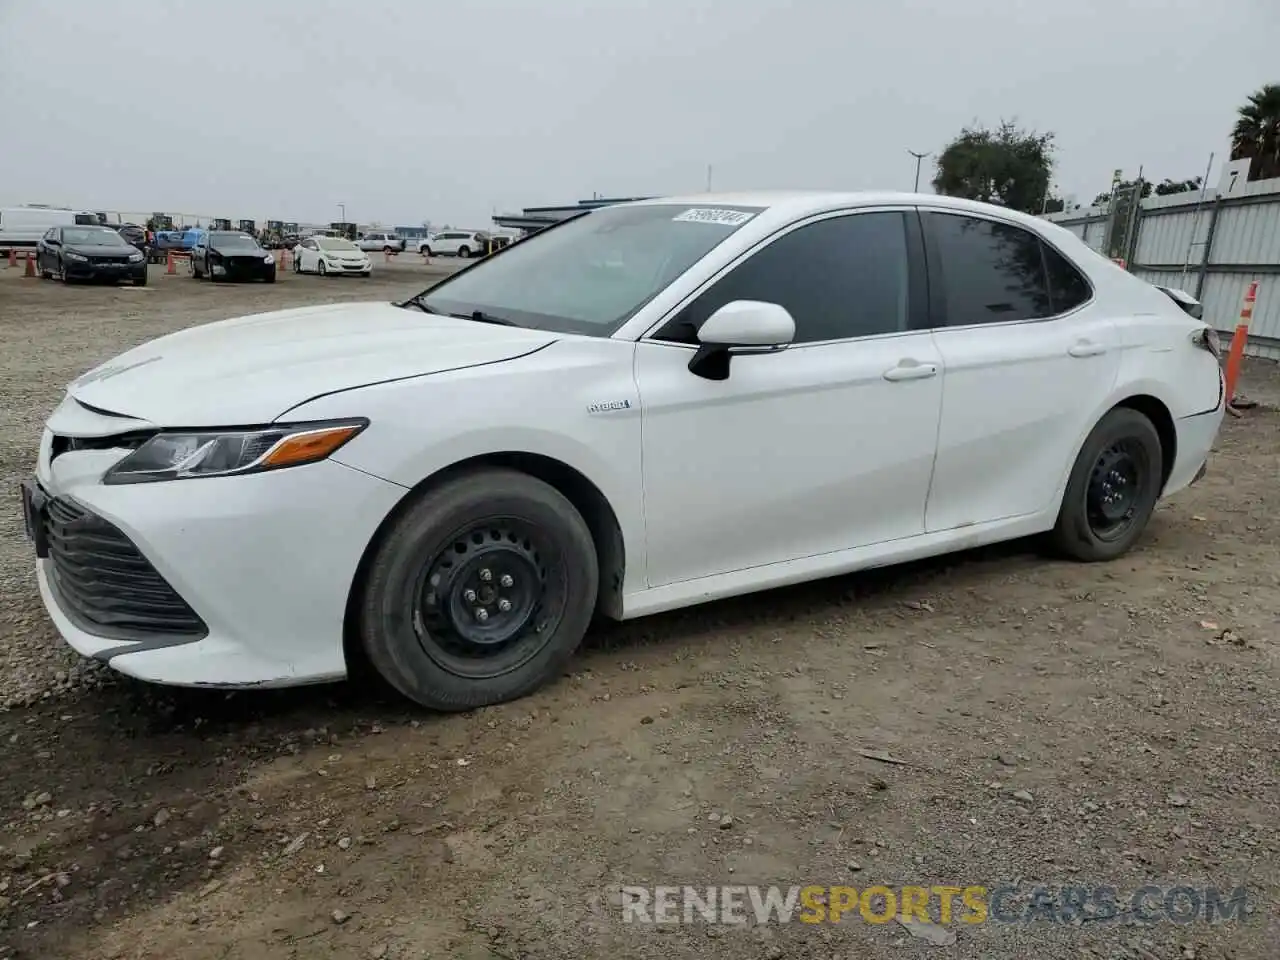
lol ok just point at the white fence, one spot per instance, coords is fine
(1211, 248)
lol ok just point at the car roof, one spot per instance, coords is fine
(794, 204)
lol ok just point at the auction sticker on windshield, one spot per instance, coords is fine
(724, 218)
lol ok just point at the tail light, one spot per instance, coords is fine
(1207, 339)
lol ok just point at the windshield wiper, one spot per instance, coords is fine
(479, 316)
(417, 301)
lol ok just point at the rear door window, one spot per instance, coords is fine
(991, 272)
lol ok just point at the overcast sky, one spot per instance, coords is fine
(410, 111)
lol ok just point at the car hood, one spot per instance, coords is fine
(100, 250)
(240, 251)
(253, 369)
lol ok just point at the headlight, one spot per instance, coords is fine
(268, 258)
(135, 258)
(75, 256)
(182, 455)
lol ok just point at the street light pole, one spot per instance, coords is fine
(342, 212)
(919, 157)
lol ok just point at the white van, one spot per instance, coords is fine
(22, 227)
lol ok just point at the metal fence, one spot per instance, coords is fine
(1211, 247)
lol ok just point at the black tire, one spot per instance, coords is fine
(388, 249)
(271, 277)
(320, 268)
(62, 272)
(297, 264)
(414, 623)
(44, 274)
(140, 281)
(464, 252)
(425, 251)
(1113, 488)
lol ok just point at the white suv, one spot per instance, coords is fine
(455, 243)
(386, 242)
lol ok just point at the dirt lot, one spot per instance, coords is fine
(1057, 724)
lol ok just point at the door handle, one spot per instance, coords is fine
(1086, 348)
(911, 371)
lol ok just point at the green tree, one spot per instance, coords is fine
(1009, 166)
(1167, 186)
(1256, 134)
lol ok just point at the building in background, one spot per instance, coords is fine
(531, 219)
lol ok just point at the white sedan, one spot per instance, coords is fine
(330, 255)
(653, 405)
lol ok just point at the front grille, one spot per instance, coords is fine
(244, 263)
(105, 584)
(100, 261)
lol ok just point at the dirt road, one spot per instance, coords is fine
(1056, 724)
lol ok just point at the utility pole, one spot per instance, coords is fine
(708, 178)
(919, 157)
(342, 212)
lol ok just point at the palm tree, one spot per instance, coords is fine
(1257, 133)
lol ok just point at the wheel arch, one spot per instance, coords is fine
(1154, 409)
(576, 487)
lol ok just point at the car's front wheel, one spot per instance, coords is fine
(1113, 488)
(320, 268)
(480, 591)
(425, 251)
(464, 252)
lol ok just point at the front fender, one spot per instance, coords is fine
(536, 404)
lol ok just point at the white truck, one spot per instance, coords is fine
(22, 227)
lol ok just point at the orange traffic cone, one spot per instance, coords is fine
(13, 258)
(171, 270)
(31, 266)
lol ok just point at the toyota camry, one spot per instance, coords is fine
(648, 406)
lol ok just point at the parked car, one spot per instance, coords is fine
(89, 253)
(455, 243)
(652, 405)
(22, 227)
(230, 255)
(330, 255)
(133, 235)
(386, 242)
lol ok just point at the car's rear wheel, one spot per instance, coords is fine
(480, 591)
(1113, 488)
(425, 251)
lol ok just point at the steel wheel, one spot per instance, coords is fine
(490, 600)
(1115, 489)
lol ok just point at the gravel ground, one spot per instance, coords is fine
(1052, 724)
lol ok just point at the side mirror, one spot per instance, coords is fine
(742, 326)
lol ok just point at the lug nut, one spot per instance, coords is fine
(504, 605)
(469, 596)
(482, 614)
(486, 574)
(506, 580)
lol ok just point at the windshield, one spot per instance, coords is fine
(232, 241)
(334, 243)
(91, 237)
(592, 274)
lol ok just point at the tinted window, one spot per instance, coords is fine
(992, 272)
(1067, 286)
(842, 277)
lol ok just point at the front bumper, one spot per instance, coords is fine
(243, 269)
(90, 270)
(265, 561)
